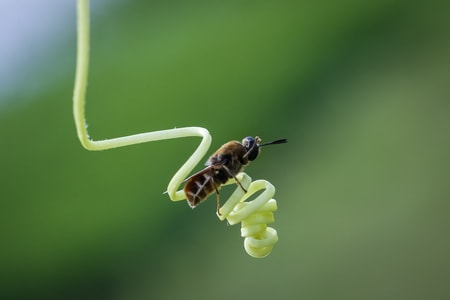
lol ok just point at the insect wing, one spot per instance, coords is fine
(199, 186)
(205, 170)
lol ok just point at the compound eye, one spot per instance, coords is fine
(248, 142)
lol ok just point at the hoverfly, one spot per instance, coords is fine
(224, 164)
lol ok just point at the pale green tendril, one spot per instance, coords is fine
(254, 215)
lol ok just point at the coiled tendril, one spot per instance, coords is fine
(254, 215)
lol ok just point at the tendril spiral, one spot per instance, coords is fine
(254, 215)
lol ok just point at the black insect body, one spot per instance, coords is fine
(223, 165)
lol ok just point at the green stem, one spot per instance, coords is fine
(79, 95)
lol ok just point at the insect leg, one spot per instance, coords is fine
(218, 196)
(218, 199)
(237, 181)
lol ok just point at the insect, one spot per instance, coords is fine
(224, 164)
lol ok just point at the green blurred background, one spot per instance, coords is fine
(360, 89)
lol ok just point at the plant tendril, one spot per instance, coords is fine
(253, 215)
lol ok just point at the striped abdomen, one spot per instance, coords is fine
(203, 184)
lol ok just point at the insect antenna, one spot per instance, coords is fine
(282, 141)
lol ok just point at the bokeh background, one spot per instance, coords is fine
(360, 88)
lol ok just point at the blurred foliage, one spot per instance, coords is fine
(360, 89)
